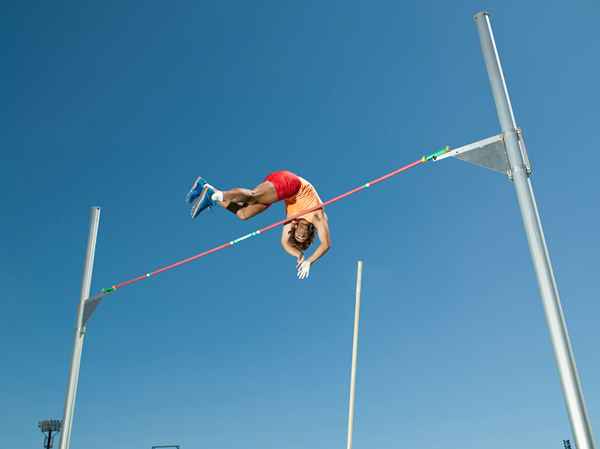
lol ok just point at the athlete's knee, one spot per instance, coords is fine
(242, 215)
(253, 196)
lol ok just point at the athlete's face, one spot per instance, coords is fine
(301, 233)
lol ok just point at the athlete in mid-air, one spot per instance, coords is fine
(297, 193)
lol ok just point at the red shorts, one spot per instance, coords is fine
(285, 182)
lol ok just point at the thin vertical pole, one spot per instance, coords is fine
(359, 269)
(71, 395)
(563, 350)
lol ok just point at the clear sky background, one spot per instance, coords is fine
(122, 104)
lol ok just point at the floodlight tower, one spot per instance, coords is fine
(48, 427)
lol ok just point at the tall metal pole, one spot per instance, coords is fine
(563, 351)
(65, 438)
(354, 352)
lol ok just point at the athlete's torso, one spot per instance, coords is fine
(306, 198)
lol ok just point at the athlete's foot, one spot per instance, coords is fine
(196, 189)
(203, 201)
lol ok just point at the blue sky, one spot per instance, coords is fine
(121, 105)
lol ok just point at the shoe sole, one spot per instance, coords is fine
(197, 202)
(194, 184)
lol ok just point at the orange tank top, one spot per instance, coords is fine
(306, 198)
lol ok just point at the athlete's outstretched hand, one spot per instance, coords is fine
(303, 269)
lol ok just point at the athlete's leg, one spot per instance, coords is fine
(243, 211)
(235, 200)
(245, 203)
(264, 193)
(251, 210)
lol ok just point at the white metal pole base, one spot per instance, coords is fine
(359, 269)
(518, 162)
(65, 437)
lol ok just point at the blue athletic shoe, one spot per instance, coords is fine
(196, 189)
(203, 201)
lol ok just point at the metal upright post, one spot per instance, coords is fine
(79, 330)
(359, 269)
(518, 162)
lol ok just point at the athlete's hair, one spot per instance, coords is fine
(301, 246)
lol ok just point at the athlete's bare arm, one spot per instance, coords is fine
(285, 243)
(322, 225)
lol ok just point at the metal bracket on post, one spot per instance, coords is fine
(491, 153)
(488, 153)
(89, 308)
(518, 132)
(523, 149)
(90, 304)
